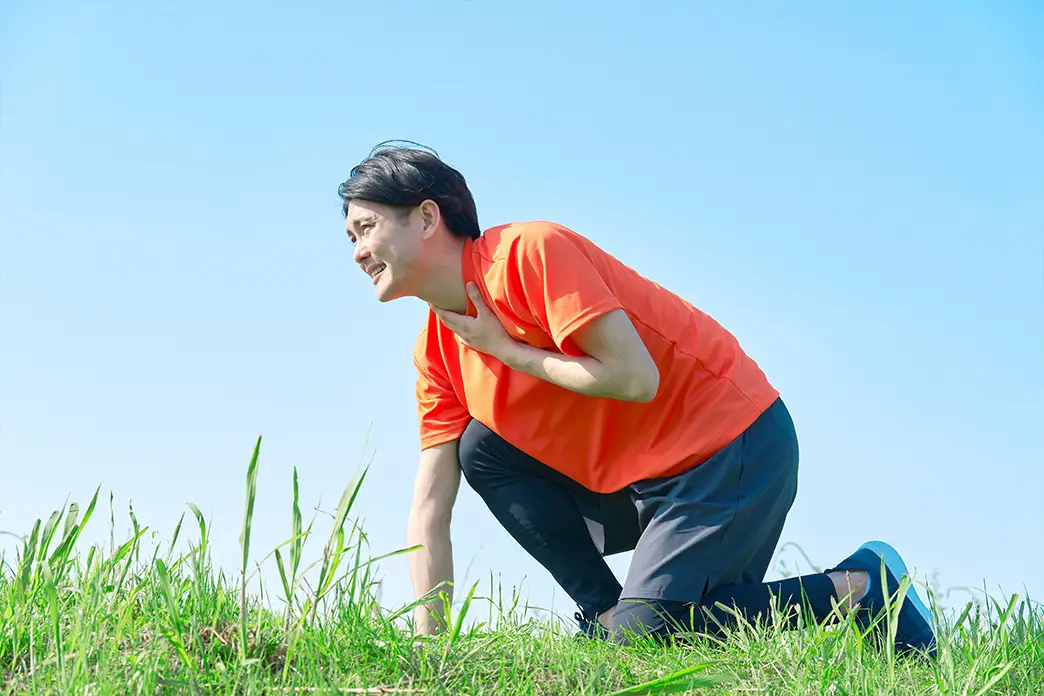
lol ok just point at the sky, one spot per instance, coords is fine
(855, 190)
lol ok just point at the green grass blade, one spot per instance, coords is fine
(112, 522)
(90, 510)
(1001, 671)
(258, 564)
(51, 591)
(390, 554)
(343, 507)
(681, 687)
(70, 519)
(28, 555)
(91, 553)
(48, 534)
(295, 532)
(70, 534)
(248, 514)
(134, 522)
(179, 648)
(175, 631)
(432, 594)
(282, 575)
(678, 682)
(244, 541)
(127, 547)
(202, 524)
(335, 561)
(168, 597)
(459, 623)
(174, 537)
(334, 548)
(57, 559)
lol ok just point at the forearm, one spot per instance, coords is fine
(430, 566)
(583, 374)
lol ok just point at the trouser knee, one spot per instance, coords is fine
(483, 456)
(654, 618)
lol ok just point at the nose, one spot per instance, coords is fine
(360, 253)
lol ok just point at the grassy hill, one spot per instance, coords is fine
(123, 620)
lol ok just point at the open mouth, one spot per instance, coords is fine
(376, 271)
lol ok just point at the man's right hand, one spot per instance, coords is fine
(434, 493)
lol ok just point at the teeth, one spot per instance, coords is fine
(377, 270)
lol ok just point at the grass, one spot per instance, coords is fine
(124, 621)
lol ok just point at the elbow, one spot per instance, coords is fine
(643, 386)
(646, 392)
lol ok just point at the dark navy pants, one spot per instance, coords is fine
(703, 537)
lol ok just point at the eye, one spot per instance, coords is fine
(362, 228)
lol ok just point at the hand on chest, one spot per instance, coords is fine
(520, 324)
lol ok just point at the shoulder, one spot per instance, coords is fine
(519, 240)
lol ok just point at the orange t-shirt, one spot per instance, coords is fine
(544, 282)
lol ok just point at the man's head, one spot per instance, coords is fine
(396, 202)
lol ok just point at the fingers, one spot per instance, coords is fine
(448, 318)
(476, 297)
(454, 322)
(462, 324)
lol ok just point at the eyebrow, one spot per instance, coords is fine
(361, 220)
(364, 219)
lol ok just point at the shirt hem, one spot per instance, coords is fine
(722, 439)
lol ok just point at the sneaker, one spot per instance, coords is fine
(914, 632)
(590, 628)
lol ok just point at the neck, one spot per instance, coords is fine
(445, 286)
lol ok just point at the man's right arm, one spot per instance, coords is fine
(434, 493)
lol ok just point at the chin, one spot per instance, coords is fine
(386, 294)
(388, 290)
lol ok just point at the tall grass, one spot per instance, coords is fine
(123, 621)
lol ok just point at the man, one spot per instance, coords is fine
(594, 412)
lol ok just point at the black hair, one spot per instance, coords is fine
(404, 176)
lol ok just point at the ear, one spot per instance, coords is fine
(430, 217)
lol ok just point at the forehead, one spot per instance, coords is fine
(363, 211)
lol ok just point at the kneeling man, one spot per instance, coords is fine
(594, 412)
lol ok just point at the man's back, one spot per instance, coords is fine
(544, 282)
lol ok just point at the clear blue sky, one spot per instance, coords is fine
(856, 190)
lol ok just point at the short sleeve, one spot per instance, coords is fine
(562, 277)
(441, 415)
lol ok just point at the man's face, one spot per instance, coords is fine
(387, 246)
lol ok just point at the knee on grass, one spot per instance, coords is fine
(653, 618)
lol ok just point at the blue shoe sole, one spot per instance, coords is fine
(916, 624)
(895, 565)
